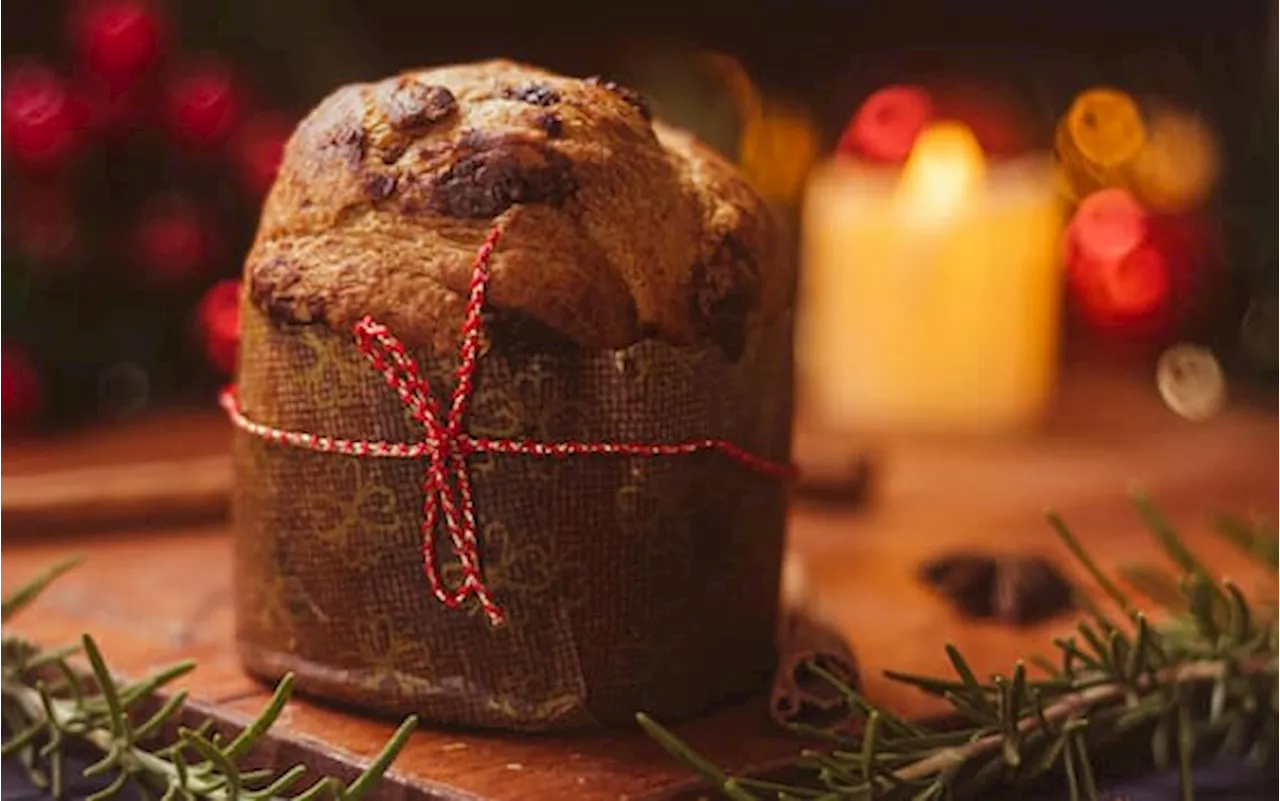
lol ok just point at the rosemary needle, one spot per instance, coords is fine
(142, 753)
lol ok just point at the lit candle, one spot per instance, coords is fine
(931, 295)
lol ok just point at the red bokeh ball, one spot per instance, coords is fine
(117, 40)
(38, 117)
(1131, 288)
(1128, 273)
(886, 125)
(203, 105)
(20, 392)
(173, 240)
(1108, 224)
(218, 320)
(258, 149)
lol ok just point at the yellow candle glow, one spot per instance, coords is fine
(930, 296)
(943, 173)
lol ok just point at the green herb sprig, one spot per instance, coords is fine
(49, 709)
(1200, 684)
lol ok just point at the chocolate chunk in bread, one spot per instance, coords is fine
(551, 125)
(536, 94)
(409, 105)
(350, 141)
(499, 172)
(379, 186)
(270, 287)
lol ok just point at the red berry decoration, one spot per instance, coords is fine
(174, 240)
(218, 316)
(259, 148)
(203, 106)
(19, 387)
(38, 117)
(886, 126)
(117, 40)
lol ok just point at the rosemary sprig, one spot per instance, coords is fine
(48, 706)
(1200, 684)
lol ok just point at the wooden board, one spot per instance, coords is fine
(154, 596)
(1111, 437)
(153, 599)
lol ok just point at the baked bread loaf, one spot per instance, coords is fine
(639, 293)
(629, 229)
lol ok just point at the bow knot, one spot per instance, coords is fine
(446, 489)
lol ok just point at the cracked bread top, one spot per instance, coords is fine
(618, 228)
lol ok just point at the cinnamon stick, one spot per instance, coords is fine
(850, 488)
(798, 694)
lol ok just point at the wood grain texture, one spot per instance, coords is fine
(154, 597)
(145, 494)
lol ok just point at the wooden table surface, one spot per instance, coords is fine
(152, 595)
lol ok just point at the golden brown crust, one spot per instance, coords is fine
(618, 228)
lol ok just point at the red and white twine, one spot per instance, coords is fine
(445, 444)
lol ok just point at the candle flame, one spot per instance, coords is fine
(945, 171)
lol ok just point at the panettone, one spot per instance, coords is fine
(639, 293)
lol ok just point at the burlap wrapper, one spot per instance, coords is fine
(629, 583)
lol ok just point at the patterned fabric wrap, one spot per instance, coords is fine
(629, 583)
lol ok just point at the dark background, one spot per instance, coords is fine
(802, 47)
(1218, 58)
